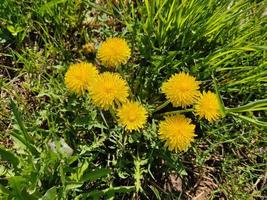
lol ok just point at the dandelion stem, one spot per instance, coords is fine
(161, 106)
(111, 110)
(222, 107)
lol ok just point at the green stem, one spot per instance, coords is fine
(161, 106)
(111, 110)
(176, 112)
(222, 107)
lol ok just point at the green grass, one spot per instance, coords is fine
(222, 43)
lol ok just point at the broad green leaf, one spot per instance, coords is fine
(22, 141)
(3, 190)
(18, 119)
(71, 186)
(96, 194)
(95, 174)
(14, 30)
(9, 156)
(50, 194)
(77, 175)
(25, 138)
(17, 183)
(46, 8)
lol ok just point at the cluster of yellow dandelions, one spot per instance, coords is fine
(182, 90)
(108, 90)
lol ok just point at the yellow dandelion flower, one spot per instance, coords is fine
(79, 76)
(177, 132)
(181, 89)
(132, 115)
(208, 106)
(107, 89)
(114, 52)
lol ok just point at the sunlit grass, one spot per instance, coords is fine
(221, 43)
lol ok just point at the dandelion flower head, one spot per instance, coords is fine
(208, 106)
(113, 52)
(107, 89)
(79, 76)
(177, 132)
(132, 115)
(181, 89)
